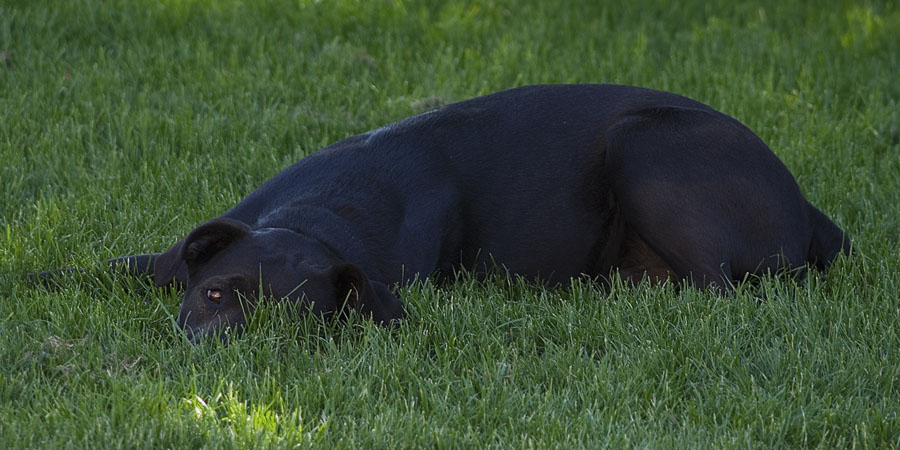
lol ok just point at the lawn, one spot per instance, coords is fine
(124, 124)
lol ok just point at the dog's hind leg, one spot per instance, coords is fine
(636, 261)
(706, 195)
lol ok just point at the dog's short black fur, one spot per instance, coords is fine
(547, 182)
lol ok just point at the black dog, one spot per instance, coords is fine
(548, 182)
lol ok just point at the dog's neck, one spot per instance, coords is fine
(341, 232)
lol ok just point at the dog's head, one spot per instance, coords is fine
(230, 267)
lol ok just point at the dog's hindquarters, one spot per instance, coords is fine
(707, 195)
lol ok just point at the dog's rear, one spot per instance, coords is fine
(711, 199)
(828, 241)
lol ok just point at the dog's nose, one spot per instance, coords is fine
(218, 330)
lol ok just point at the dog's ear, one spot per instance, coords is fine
(200, 245)
(369, 298)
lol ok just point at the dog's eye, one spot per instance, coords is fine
(214, 295)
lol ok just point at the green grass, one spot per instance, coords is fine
(123, 124)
